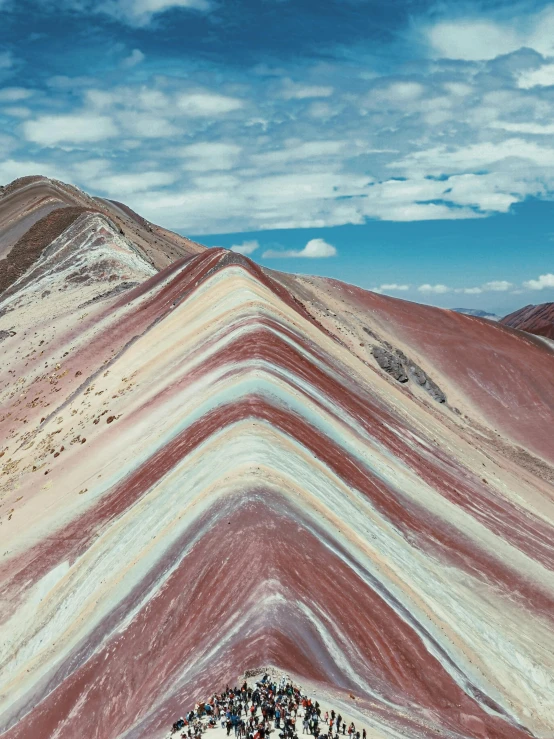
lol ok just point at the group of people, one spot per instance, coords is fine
(268, 707)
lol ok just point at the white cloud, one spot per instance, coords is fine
(458, 89)
(298, 91)
(412, 200)
(394, 286)
(528, 127)
(50, 130)
(275, 190)
(436, 289)
(406, 96)
(206, 157)
(206, 104)
(513, 169)
(314, 249)
(473, 39)
(541, 77)
(303, 199)
(11, 169)
(297, 151)
(14, 94)
(89, 170)
(492, 286)
(134, 58)
(247, 247)
(122, 184)
(543, 282)
(449, 141)
(390, 287)
(146, 125)
(216, 182)
(401, 92)
(497, 285)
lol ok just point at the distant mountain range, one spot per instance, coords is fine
(477, 313)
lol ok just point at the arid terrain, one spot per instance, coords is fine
(208, 467)
(535, 319)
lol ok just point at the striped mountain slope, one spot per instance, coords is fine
(208, 467)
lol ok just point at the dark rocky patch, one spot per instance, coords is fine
(402, 368)
(421, 378)
(390, 363)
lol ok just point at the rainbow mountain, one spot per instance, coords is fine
(208, 467)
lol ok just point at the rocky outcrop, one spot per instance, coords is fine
(395, 363)
(420, 377)
(390, 362)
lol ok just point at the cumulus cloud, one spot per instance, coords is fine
(497, 285)
(474, 157)
(206, 104)
(297, 151)
(541, 283)
(390, 287)
(146, 125)
(49, 130)
(121, 184)
(395, 94)
(314, 249)
(534, 129)
(436, 289)
(134, 58)
(473, 39)
(247, 247)
(205, 156)
(492, 286)
(446, 141)
(541, 77)
(11, 169)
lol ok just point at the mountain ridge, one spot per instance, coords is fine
(205, 469)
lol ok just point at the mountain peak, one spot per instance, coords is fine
(208, 467)
(535, 319)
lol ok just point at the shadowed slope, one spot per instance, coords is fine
(205, 472)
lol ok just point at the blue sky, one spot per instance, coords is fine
(403, 146)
